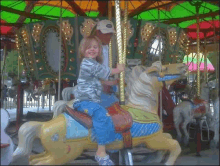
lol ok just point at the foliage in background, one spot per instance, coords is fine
(11, 63)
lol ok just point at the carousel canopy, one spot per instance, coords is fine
(14, 14)
(192, 63)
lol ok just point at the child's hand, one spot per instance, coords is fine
(116, 82)
(121, 67)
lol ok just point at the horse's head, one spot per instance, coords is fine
(146, 82)
(168, 73)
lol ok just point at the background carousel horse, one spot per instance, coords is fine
(215, 99)
(29, 88)
(215, 142)
(185, 112)
(7, 146)
(46, 89)
(64, 139)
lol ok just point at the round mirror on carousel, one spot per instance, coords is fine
(51, 50)
(151, 51)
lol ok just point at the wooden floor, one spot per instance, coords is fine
(140, 155)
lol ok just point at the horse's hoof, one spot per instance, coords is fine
(186, 141)
(213, 144)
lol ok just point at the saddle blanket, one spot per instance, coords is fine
(76, 130)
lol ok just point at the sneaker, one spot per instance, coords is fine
(104, 160)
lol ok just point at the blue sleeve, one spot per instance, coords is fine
(98, 70)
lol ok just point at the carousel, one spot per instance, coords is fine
(167, 97)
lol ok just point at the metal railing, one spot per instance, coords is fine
(28, 102)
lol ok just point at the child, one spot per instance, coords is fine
(88, 94)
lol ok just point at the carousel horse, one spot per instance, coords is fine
(64, 138)
(46, 89)
(12, 92)
(7, 146)
(214, 143)
(187, 110)
(215, 99)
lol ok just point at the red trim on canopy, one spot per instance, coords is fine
(205, 25)
(5, 29)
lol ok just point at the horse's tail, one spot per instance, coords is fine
(26, 135)
(59, 107)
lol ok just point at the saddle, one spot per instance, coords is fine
(122, 121)
(199, 107)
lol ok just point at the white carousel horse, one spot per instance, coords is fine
(46, 89)
(7, 146)
(185, 112)
(215, 99)
(64, 139)
(215, 141)
(12, 92)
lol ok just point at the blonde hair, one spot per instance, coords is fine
(84, 45)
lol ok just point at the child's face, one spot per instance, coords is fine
(93, 50)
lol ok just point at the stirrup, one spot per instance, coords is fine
(204, 128)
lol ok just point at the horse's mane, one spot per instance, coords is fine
(133, 75)
(140, 88)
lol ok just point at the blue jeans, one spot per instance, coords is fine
(102, 124)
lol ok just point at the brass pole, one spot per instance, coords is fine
(2, 73)
(110, 43)
(205, 61)
(187, 62)
(125, 31)
(161, 108)
(120, 55)
(217, 60)
(198, 60)
(60, 52)
(18, 67)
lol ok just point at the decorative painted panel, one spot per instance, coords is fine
(45, 39)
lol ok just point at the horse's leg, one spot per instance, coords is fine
(177, 118)
(184, 127)
(162, 142)
(161, 153)
(210, 120)
(43, 100)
